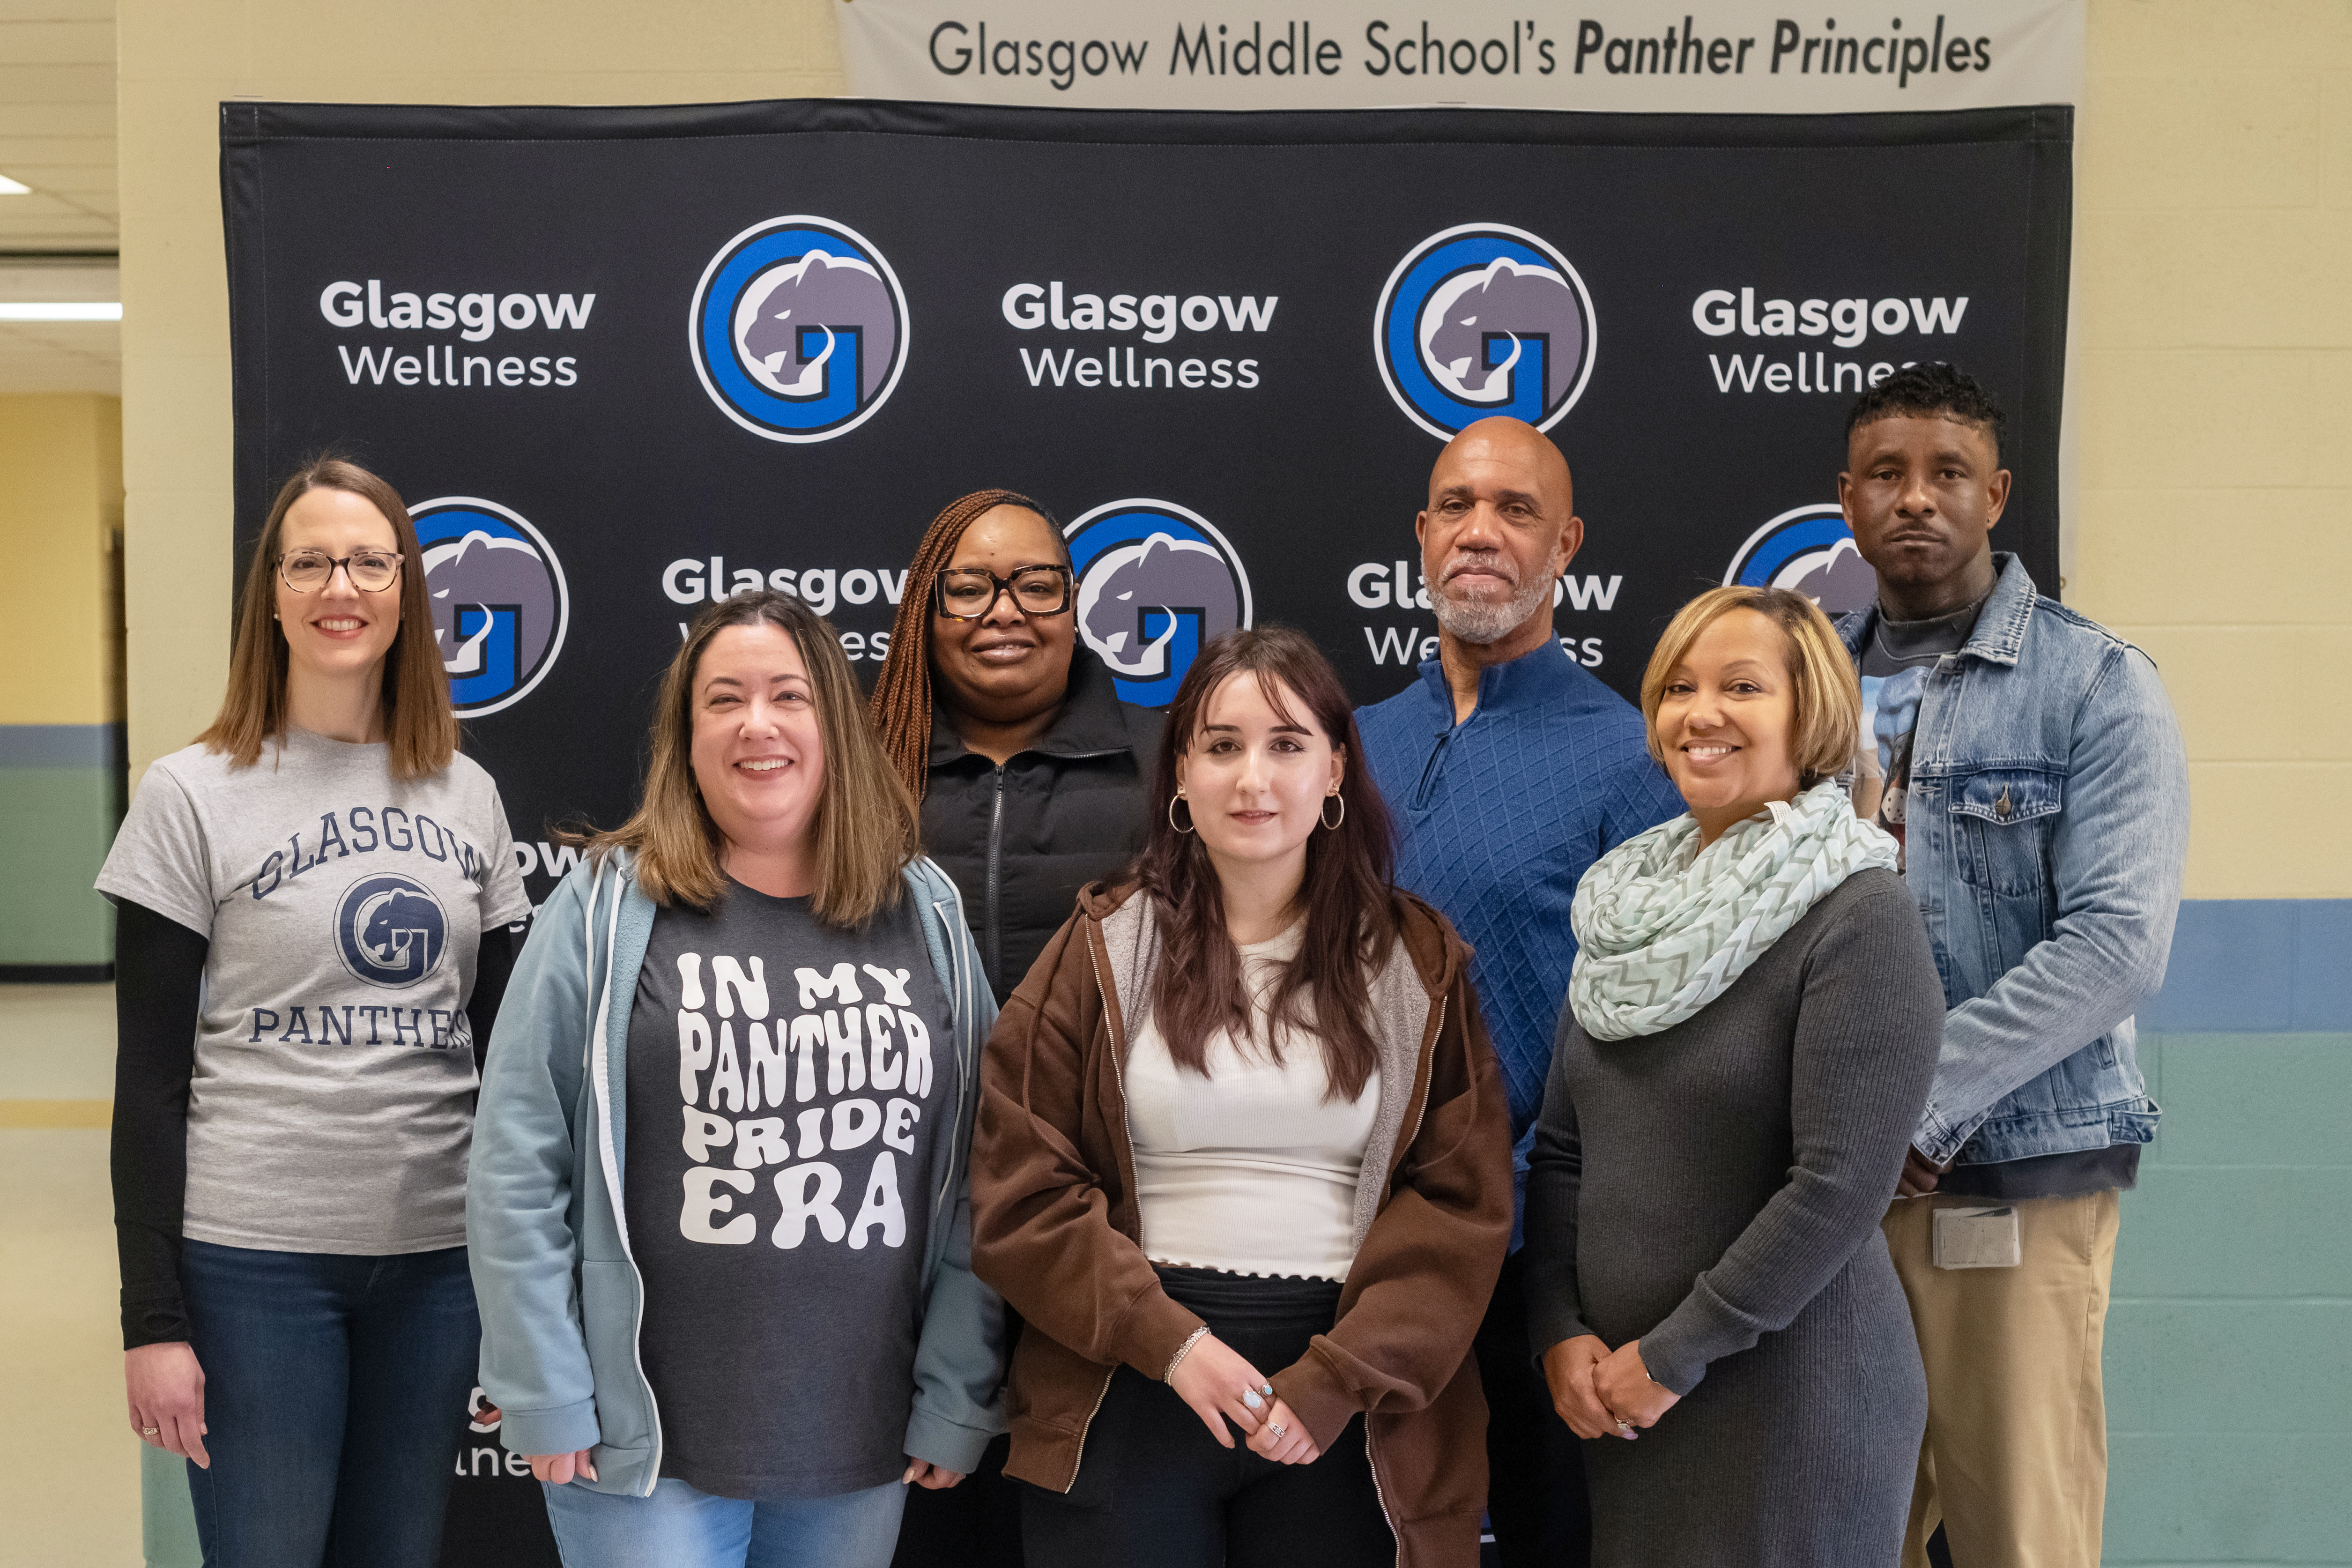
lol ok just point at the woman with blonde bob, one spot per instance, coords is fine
(719, 1230)
(312, 904)
(1753, 1020)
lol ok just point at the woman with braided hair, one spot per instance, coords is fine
(1029, 768)
(1030, 771)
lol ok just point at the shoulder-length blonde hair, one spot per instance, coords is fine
(864, 825)
(417, 720)
(1827, 724)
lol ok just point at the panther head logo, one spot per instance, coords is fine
(1156, 582)
(1158, 579)
(390, 931)
(1810, 549)
(1480, 319)
(497, 597)
(1530, 308)
(792, 323)
(799, 328)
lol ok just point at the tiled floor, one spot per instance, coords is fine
(68, 1464)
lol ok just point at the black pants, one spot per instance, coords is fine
(1155, 1490)
(974, 1524)
(1535, 1466)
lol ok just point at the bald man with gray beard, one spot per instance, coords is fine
(1510, 770)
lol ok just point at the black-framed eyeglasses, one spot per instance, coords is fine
(968, 592)
(371, 571)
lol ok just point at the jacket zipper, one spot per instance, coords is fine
(1430, 768)
(966, 1066)
(1118, 1077)
(995, 923)
(608, 1160)
(1372, 1456)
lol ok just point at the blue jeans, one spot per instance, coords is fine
(334, 1389)
(679, 1526)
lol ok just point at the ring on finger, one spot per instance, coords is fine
(1277, 1429)
(1250, 1398)
(150, 1431)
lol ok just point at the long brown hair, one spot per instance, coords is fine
(864, 824)
(1348, 894)
(901, 706)
(417, 720)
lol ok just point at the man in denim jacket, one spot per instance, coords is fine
(2029, 763)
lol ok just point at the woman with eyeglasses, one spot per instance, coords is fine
(313, 913)
(1030, 771)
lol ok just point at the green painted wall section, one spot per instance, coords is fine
(2228, 1356)
(55, 824)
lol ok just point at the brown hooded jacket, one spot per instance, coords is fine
(1056, 1228)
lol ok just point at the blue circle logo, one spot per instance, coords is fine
(1156, 582)
(1811, 550)
(799, 328)
(1481, 320)
(390, 931)
(500, 605)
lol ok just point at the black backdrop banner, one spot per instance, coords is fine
(619, 360)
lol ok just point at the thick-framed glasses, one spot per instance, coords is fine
(968, 592)
(371, 571)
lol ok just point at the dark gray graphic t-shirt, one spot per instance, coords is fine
(332, 1098)
(792, 1092)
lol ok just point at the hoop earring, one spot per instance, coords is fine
(1172, 812)
(1333, 826)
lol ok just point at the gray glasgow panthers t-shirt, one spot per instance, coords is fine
(333, 1099)
(791, 1096)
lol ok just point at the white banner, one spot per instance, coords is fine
(1740, 57)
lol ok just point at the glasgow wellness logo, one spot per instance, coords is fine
(500, 605)
(390, 931)
(1808, 549)
(1155, 583)
(799, 328)
(1481, 320)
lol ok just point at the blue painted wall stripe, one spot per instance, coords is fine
(2257, 966)
(60, 745)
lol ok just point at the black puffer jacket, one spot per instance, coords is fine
(1022, 839)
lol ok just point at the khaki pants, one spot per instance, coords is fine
(2015, 1462)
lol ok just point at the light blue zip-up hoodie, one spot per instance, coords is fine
(560, 1293)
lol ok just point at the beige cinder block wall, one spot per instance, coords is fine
(2213, 217)
(2214, 317)
(177, 60)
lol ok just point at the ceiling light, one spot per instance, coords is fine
(44, 310)
(9, 188)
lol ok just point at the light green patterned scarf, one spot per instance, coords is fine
(1663, 927)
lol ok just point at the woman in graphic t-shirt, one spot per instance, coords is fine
(719, 1219)
(1244, 1165)
(311, 938)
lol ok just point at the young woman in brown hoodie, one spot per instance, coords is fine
(1243, 1164)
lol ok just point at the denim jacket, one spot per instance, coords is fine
(546, 1219)
(2047, 826)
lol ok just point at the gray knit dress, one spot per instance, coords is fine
(1714, 1190)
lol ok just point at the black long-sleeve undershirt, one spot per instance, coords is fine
(158, 969)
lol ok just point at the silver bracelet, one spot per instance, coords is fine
(1182, 1351)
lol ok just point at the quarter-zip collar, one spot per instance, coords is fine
(1541, 675)
(1091, 723)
